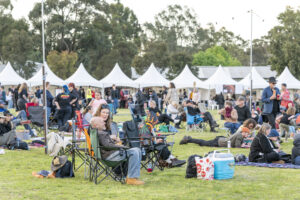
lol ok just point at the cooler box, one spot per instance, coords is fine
(224, 164)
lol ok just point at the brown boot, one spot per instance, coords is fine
(278, 162)
(134, 181)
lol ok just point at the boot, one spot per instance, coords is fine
(184, 140)
(134, 181)
(279, 162)
(213, 130)
(176, 163)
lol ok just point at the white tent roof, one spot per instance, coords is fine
(82, 78)
(186, 79)
(152, 78)
(10, 77)
(257, 81)
(287, 77)
(37, 79)
(220, 77)
(117, 77)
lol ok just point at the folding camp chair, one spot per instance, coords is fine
(99, 166)
(193, 122)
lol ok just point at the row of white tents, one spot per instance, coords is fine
(151, 78)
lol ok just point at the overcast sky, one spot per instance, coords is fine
(219, 12)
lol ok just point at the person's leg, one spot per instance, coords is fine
(60, 117)
(282, 130)
(48, 113)
(164, 118)
(8, 138)
(67, 115)
(271, 120)
(270, 157)
(23, 116)
(229, 125)
(200, 142)
(236, 126)
(134, 162)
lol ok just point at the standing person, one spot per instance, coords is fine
(63, 102)
(163, 96)
(37, 92)
(81, 93)
(115, 96)
(9, 99)
(75, 97)
(16, 96)
(89, 95)
(242, 110)
(2, 94)
(22, 97)
(220, 100)
(49, 99)
(153, 97)
(196, 96)
(122, 99)
(231, 117)
(140, 100)
(271, 101)
(95, 103)
(172, 95)
(285, 97)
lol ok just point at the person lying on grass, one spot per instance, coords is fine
(236, 140)
(134, 154)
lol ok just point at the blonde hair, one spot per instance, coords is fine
(264, 127)
(152, 101)
(291, 111)
(22, 87)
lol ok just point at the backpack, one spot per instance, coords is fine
(65, 171)
(18, 144)
(131, 132)
(191, 169)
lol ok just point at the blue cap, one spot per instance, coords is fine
(273, 133)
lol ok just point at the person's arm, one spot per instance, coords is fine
(265, 97)
(234, 115)
(106, 141)
(238, 142)
(248, 113)
(221, 112)
(56, 102)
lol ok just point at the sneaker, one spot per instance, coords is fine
(2, 151)
(184, 140)
(176, 121)
(213, 130)
(177, 163)
(134, 181)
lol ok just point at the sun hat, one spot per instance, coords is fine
(58, 162)
(272, 80)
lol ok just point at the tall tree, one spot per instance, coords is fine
(177, 63)
(285, 42)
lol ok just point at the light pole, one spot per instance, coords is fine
(251, 14)
(44, 81)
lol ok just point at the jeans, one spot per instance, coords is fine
(48, 113)
(208, 117)
(63, 115)
(232, 126)
(10, 104)
(23, 117)
(134, 161)
(271, 119)
(116, 105)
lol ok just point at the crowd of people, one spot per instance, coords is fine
(170, 107)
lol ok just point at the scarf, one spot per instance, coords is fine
(228, 112)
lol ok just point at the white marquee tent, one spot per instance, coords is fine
(151, 78)
(37, 79)
(117, 77)
(220, 77)
(257, 81)
(186, 79)
(82, 78)
(10, 77)
(287, 77)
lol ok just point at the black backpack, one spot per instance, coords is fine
(18, 144)
(65, 171)
(191, 169)
(131, 133)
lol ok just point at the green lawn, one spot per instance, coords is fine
(16, 181)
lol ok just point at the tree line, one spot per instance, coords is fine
(99, 34)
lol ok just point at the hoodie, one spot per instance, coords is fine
(296, 148)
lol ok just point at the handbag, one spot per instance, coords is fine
(205, 168)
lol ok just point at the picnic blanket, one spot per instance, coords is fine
(269, 165)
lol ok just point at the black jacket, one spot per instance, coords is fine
(5, 128)
(296, 149)
(243, 113)
(259, 145)
(193, 111)
(140, 98)
(115, 94)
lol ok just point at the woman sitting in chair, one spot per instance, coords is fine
(134, 154)
(162, 118)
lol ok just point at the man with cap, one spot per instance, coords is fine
(271, 102)
(242, 110)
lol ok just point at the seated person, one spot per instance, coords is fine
(285, 122)
(296, 150)
(236, 140)
(7, 134)
(262, 149)
(162, 118)
(242, 110)
(21, 118)
(251, 125)
(87, 115)
(193, 110)
(174, 113)
(254, 115)
(230, 116)
(134, 154)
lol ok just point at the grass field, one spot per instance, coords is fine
(16, 181)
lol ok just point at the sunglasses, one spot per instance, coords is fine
(105, 106)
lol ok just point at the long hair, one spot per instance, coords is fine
(264, 127)
(172, 85)
(22, 87)
(248, 122)
(98, 114)
(291, 111)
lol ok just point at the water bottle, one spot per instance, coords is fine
(228, 144)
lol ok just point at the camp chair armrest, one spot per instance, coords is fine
(113, 148)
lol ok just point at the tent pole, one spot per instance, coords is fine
(44, 81)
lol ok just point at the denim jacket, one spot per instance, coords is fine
(268, 104)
